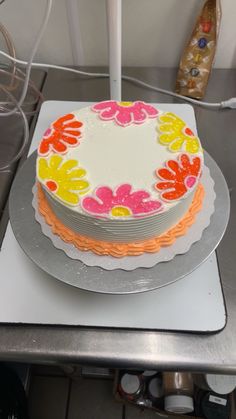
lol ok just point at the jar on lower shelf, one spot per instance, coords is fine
(178, 390)
(131, 386)
(220, 384)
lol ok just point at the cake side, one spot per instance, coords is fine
(119, 229)
(119, 250)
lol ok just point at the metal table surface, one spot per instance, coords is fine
(11, 130)
(142, 349)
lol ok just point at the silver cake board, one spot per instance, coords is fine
(194, 303)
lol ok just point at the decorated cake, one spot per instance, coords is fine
(119, 178)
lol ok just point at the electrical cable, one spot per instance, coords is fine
(26, 132)
(57, 67)
(229, 103)
(4, 106)
(38, 95)
(14, 79)
(216, 105)
(13, 74)
(12, 52)
(32, 85)
(14, 82)
(31, 57)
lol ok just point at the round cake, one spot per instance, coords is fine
(118, 173)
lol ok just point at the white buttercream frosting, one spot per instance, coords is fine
(113, 155)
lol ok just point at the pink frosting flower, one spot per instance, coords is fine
(125, 113)
(120, 203)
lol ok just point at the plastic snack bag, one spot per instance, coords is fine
(198, 55)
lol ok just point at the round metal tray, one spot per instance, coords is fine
(55, 262)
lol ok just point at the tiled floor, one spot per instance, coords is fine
(55, 395)
(92, 399)
(49, 397)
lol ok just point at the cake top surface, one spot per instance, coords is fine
(119, 159)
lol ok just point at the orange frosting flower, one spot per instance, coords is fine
(179, 177)
(63, 132)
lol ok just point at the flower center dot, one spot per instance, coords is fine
(47, 132)
(120, 212)
(125, 103)
(190, 181)
(51, 185)
(189, 132)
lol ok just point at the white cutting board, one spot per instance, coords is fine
(29, 295)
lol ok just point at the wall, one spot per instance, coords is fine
(154, 31)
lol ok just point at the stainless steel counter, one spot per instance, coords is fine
(159, 350)
(11, 130)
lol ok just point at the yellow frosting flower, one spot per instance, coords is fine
(176, 134)
(62, 178)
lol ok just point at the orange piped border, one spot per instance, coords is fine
(120, 249)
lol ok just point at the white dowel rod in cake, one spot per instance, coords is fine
(114, 45)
